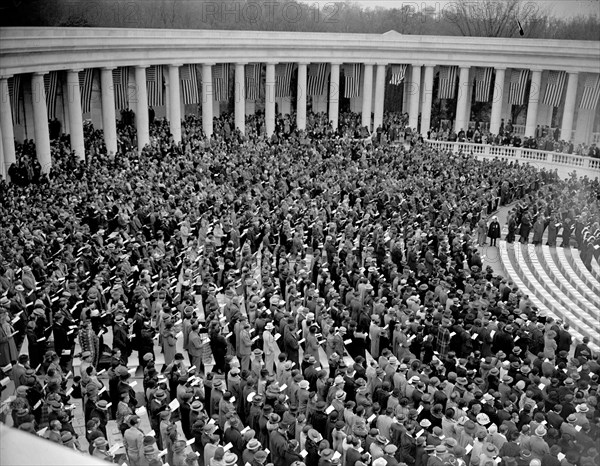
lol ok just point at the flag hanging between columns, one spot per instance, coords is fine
(554, 88)
(398, 74)
(518, 87)
(352, 74)
(154, 85)
(447, 84)
(220, 76)
(283, 79)
(14, 92)
(189, 84)
(317, 79)
(483, 83)
(86, 78)
(591, 92)
(51, 87)
(121, 87)
(252, 78)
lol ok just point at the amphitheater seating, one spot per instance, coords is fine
(556, 285)
(572, 257)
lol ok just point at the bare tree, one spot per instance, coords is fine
(496, 18)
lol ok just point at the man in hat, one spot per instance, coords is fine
(278, 443)
(244, 349)
(100, 450)
(121, 339)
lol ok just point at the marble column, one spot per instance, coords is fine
(379, 96)
(109, 124)
(427, 100)
(142, 121)
(462, 100)
(414, 90)
(367, 95)
(496, 114)
(270, 100)
(40, 122)
(334, 95)
(240, 98)
(569, 110)
(6, 126)
(301, 97)
(174, 110)
(532, 105)
(207, 100)
(75, 116)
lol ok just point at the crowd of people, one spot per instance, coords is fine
(545, 138)
(328, 293)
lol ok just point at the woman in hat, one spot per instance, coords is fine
(269, 346)
(169, 342)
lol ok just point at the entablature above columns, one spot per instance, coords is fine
(28, 50)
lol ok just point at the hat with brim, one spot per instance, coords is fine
(483, 419)
(314, 435)
(582, 408)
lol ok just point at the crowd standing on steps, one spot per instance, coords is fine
(329, 293)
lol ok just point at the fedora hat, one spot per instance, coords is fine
(253, 445)
(582, 408)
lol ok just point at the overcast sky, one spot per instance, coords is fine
(557, 7)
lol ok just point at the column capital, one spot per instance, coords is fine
(108, 68)
(382, 63)
(40, 73)
(338, 63)
(273, 63)
(208, 64)
(465, 67)
(178, 65)
(305, 63)
(75, 70)
(241, 63)
(417, 64)
(500, 68)
(141, 67)
(6, 76)
(573, 72)
(536, 68)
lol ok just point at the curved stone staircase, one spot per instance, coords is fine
(558, 284)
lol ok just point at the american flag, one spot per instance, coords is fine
(518, 87)
(483, 83)
(352, 74)
(86, 78)
(14, 92)
(554, 88)
(447, 84)
(317, 79)
(121, 87)
(220, 77)
(51, 88)
(591, 91)
(154, 84)
(283, 79)
(398, 74)
(252, 76)
(189, 84)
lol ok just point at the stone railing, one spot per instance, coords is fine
(564, 163)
